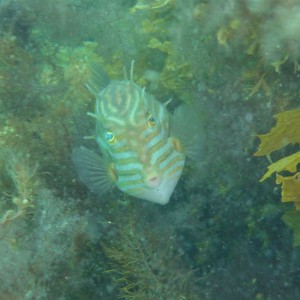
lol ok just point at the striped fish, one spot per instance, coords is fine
(143, 146)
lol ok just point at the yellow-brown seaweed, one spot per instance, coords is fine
(290, 188)
(286, 131)
(288, 163)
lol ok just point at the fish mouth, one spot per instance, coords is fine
(158, 189)
(152, 180)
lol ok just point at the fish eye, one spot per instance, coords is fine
(151, 120)
(109, 136)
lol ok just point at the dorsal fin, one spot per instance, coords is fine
(167, 102)
(125, 73)
(131, 70)
(99, 80)
(130, 73)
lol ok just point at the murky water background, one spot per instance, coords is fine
(223, 234)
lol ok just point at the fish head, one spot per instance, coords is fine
(133, 131)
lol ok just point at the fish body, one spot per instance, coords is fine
(143, 146)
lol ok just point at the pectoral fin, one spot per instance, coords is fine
(187, 132)
(93, 170)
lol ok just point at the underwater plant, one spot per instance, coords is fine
(25, 182)
(139, 261)
(286, 131)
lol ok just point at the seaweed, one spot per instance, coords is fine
(25, 182)
(139, 261)
(284, 133)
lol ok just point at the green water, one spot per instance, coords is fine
(223, 234)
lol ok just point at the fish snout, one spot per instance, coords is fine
(152, 179)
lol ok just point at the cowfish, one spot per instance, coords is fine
(143, 146)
